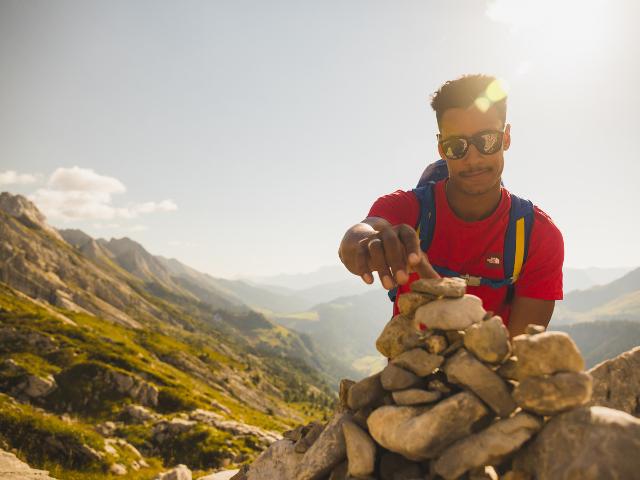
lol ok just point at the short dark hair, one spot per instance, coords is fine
(467, 90)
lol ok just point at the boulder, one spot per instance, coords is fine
(396, 467)
(361, 450)
(365, 393)
(418, 361)
(396, 378)
(588, 443)
(326, 452)
(487, 447)
(415, 396)
(616, 383)
(399, 335)
(181, 472)
(450, 314)
(464, 369)
(419, 433)
(488, 340)
(546, 353)
(280, 460)
(553, 394)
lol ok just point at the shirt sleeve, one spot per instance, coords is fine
(397, 208)
(541, 275)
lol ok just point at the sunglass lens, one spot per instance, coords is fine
(490, 142)
(455, 148)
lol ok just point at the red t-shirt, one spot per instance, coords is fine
(476, 248)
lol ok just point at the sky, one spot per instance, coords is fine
(244, 137)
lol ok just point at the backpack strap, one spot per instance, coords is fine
(426, 221)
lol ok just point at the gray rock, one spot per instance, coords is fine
(278, 461)
(340, 472)
(361, 450)
(588, 443)
(509, 369)
(436, 344)
(450, 314)
(488, 340)
(418, 361)
(396, 378)
(399, 335)
(181, 472)
(365, 393)
(553, 394)
(451, 287)
(415, 396)
(409, 301)
(345, 385)
(35, 387)
(546, 353)
(138, 414)
(464, 369)
(12, 468)
(326, 452)
(488, 447)
(396, 467)
(419, 433)
(616, 383)
(313, 431)
(117, 469)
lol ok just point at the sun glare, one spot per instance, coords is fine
(552, 26)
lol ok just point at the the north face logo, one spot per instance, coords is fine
(493, 260)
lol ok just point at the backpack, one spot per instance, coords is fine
(516, 240)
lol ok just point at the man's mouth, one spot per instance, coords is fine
(475, 173)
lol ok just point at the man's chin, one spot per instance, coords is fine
(476, 189)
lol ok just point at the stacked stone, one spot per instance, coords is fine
(457, 399)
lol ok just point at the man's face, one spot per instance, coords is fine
(475, 173)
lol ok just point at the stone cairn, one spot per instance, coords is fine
(458, 398)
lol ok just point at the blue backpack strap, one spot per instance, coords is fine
(516, 240)
(426, 221)
(434, 172)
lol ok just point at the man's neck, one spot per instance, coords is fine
(472, 208)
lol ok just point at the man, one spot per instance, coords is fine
(471, 216)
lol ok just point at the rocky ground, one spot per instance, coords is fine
(460, 400)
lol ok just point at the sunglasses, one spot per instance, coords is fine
(487, 142)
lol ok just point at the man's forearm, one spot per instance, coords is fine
(525, 311)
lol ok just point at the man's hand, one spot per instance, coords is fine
(393, 251)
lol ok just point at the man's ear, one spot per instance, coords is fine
(506, 140)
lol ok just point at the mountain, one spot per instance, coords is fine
(583, 278)
(93, 332)
(619, 299)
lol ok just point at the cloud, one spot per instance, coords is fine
(75, 194)
(11, 177)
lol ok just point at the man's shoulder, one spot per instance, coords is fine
(543, 224)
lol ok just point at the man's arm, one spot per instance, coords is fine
(525, 310)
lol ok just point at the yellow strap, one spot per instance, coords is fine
(418, 230)
(519, 258)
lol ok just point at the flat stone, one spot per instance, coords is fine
(309, 437)
(365, 393)
(326, 452)
(396, 378)
(488, 340)
(398, 336)
(488, 447)
(408, 302)
(420, 433)
(415, 396)
(546, 353)
(451, 287)
(361, 450)
(533, 329)
(436, 344)
(340, 472)
(616, 383)
(588, 443)
(396, 467)
(450, 314)
(418, 361)
(464, 369)
(552, 394)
